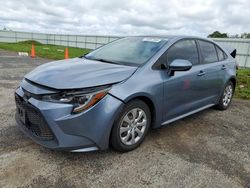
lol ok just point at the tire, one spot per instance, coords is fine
(226, 97)
(131, 126)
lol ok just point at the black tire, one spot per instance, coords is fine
(221, 105)
(115, 139)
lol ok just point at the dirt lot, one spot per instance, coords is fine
(208, 149)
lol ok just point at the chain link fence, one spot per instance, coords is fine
(92, 42)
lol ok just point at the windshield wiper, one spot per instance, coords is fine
(112, 62)
(103, 60)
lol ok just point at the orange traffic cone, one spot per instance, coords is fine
(33, 53)
(66, 54)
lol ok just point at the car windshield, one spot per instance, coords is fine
(133, 51)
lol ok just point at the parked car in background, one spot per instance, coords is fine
(116, 93)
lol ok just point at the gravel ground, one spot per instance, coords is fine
(208, 149)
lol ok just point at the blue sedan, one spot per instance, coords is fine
(115, 94)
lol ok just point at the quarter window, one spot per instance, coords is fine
(208, 51)
(185, 49)
(221, 54)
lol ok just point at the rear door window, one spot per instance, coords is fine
(208, 51)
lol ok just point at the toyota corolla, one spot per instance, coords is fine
(115, 94)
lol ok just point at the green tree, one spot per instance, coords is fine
(218, 34)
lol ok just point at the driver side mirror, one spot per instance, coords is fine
(179, 65)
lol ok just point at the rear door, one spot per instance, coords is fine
(223, 64)
(212, 70)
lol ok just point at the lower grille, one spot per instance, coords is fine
(32, 119)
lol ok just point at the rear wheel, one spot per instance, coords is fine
(226, 97)
(131, 126)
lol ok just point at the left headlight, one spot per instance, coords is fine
(80, 100)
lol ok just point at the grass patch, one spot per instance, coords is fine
(43, 50)
(243, 84)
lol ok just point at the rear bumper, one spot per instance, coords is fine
(86, 131)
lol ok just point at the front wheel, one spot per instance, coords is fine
(226, 97)
(131, 126)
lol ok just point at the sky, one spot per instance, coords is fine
(126, 17)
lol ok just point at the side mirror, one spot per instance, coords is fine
(179, 65)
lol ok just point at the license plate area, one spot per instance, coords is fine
(21, 114)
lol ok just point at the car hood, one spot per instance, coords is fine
(79, 73)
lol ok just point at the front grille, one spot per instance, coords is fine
(34, 121)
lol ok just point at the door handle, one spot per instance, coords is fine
(201, 73)
(223, 67)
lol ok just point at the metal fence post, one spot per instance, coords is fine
(247, 55)
(76, 40)
(15, 37)
(67, 40)
(85, 42)
(95, 42)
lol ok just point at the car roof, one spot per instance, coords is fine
(174, 37)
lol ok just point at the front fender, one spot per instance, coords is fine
(145, 83)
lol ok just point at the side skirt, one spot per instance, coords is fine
(85, 149)
(187, 114)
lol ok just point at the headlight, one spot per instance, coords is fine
(79, 99)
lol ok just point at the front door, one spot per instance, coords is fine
(184, 90)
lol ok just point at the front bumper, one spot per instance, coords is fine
(85, 131)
